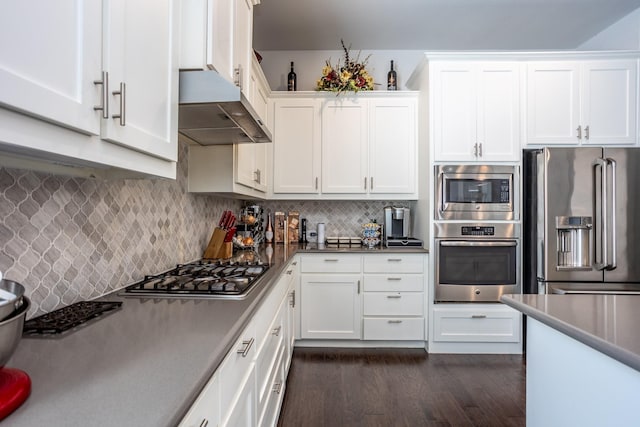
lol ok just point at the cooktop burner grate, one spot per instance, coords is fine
(63, 319)
(200, 279)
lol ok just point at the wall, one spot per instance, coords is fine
(308, 66)
(622, 35)
(69, 239)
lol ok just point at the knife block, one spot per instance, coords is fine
(216, 243)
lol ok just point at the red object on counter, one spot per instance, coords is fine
(230, 234)
(15, 387)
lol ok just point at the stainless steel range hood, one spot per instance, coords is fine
(213, 111)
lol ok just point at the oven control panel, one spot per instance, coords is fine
(477, 230)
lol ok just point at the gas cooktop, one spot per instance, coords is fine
(200, 279)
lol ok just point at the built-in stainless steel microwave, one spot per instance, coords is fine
(477, 192)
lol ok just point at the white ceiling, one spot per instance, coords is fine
(433, 24)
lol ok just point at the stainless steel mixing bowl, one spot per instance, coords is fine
(11, 331)
(10, 297)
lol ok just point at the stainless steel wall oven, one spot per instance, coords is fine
(476, 262)
(477, 192)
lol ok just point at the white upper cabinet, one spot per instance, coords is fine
(142, 66)
(360, 146)
(475, 110)
(51, 55)
(392, 146)
(296, 147)
(87, 90)
(344, 145)
(582, 102)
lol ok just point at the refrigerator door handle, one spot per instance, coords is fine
(600, 198)
(612, 264)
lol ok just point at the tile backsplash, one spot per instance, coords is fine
(67, 239)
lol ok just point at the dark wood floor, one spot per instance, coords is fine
(402, 387)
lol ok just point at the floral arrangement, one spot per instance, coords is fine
(349, 76)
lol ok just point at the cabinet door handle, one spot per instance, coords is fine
(246, 346)
(586, 132)
(480, 149)
(475, 150)
(289, 272)
(394, 259)
(276, 331)
(358, 286)
(237, 72)
(394, 321)
(204, 423)
(394, 278)
(293, 298)
(104, 95)
(394, 296)
(579, 129)
(277, 388)
(371, 182)
(365, 182)
(123, 99)
(478, 316)
(316, 182)
(294, 263)
(257, 174)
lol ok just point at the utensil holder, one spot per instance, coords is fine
(226, 250)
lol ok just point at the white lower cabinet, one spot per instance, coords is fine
(363, 297)
(476, 323)
(206, 409)
(248, 387)
(394, 302)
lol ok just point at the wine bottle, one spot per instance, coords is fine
(392, 81)
(292, 83)
(268, 234)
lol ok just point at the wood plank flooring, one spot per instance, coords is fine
(402, 387)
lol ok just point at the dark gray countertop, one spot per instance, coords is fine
(607, 323)
(144, 364)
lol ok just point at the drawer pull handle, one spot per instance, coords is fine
(204, 423)
(394, 296)
(276, 331)
(277, 388)
(294, 263)
(289, 272)
(394, 278)
(247, 345)
(394, 259)
(478, 316)
(394, 321)
(330, 260)
(292, 296)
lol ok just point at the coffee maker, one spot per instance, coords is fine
(397, 227)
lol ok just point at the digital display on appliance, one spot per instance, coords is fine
(478, 231)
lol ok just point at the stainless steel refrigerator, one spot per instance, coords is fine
(581, 220)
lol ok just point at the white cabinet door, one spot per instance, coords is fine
(476, 111)
(392, 146)
(243, 412)
(242, 42)
(498, 117)
(51, 55)
(206, 409)
(582, 102)
(609, 102)
(344, 146)
(331, 306)
(454, 111)
(142, 66)
(553, 103)
(296, 146)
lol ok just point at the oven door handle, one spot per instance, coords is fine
(484, 243)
